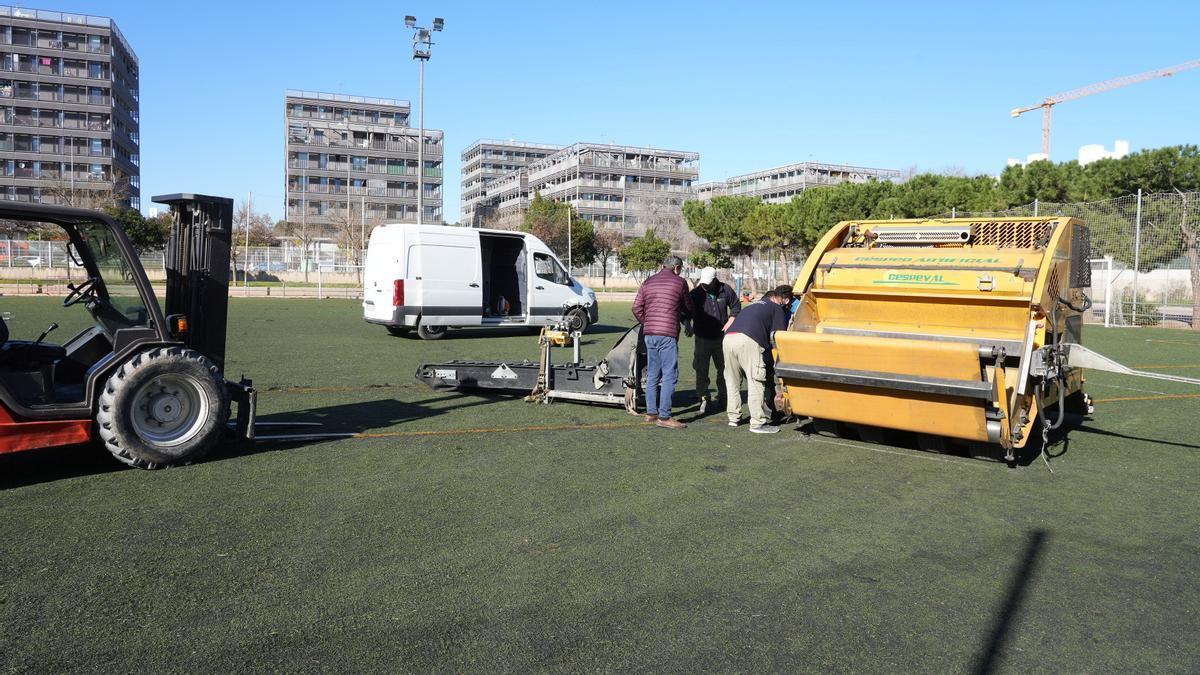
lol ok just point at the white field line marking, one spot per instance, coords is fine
(1117, 386)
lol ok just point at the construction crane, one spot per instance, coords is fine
(1048, 105)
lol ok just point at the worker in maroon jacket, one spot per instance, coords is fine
(661, 303)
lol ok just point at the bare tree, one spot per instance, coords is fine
(83, 193)
(26, 228)
(503, 221)
(353, 229)
(662, 212)
(261, 231)
(89, 194)
(608, 242)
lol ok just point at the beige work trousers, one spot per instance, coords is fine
(744, 356)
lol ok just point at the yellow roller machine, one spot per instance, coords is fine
(966, 329)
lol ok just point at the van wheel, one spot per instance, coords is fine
(577, 320)
(431, 332)
(398, 331)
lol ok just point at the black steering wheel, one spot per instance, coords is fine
(82, 292)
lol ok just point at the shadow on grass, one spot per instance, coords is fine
(372, 415)
(1018, 586)
(54, 464)
(1104, 432)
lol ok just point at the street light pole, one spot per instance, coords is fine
(421, 141)
(422, 48)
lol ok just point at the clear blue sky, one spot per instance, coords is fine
(747, 85)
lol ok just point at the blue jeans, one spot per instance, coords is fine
(662, 370)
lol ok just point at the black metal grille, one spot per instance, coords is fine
(1081, 254)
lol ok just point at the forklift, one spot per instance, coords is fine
(146, 380)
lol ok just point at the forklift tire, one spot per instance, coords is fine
(431, 332)
(398, 331)
(165, 407)
(577, 319)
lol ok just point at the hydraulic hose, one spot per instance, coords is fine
(1058, 372)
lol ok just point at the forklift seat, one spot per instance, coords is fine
(25, 354)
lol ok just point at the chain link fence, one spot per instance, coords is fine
(35, 267)
(1145, 255)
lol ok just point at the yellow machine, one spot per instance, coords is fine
(966, 329)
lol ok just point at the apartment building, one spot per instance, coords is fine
(780, 184)
(486, 160)
(356, 157)
(69, 121)
(629, 188)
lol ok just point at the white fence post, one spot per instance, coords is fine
(1137, 252)
(1108, 282)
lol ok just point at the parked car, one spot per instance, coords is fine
(433, 277)
(268, 267)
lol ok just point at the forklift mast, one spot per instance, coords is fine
(197, 266)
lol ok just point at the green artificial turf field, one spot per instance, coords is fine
(479, 534)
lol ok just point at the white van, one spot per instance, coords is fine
(433, 277)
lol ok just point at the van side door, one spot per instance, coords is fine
(448, 267)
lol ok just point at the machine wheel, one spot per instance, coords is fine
(577, 319)
(165, 407)
(398, 331)
(431, 332)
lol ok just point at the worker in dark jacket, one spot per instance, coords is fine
(661, 303)
(747, 350)
(716, 306)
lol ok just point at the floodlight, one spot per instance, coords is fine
(438, 23)
(410, 21)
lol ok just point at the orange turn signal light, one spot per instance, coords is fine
(179, 324)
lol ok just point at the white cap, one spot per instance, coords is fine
(707, 275)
